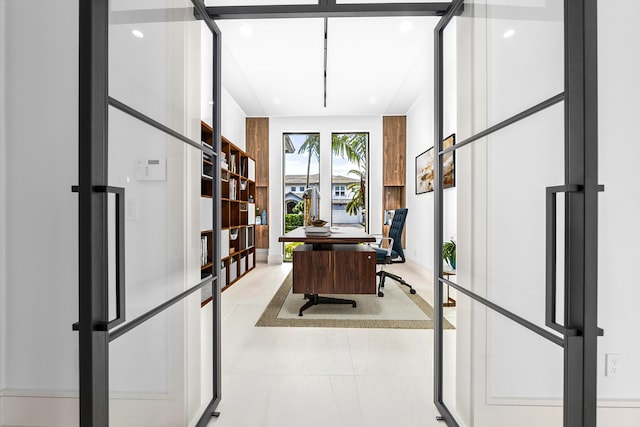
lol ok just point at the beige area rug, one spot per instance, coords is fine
(397, 309)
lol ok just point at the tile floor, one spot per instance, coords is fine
(321, 377)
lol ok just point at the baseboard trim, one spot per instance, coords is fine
(275, 259)
(38, 408)
(418, 268)
(54, 394)
(262, 255)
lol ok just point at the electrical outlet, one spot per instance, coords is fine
(612, 367)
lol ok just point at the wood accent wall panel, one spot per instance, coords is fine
(258, 147)
(257, 137)
(394, 162)
(394, 198)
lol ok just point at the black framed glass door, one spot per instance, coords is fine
(149, 225)
(516, 82)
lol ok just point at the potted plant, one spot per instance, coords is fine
(449, 253)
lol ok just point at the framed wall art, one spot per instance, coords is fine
(424, 172)
(449, 163)
(424, 168)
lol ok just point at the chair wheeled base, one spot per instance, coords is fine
(383, 275)
(315, 299)
(393, 253)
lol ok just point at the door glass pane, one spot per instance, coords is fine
(301, 169)
(500, 58)
(349, 180)
(520, 46)
(158, 372)
(501, 185)
(496, 371)
(161, 178)
(154, 59)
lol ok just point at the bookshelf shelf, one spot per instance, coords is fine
(237, 211)
(206, 192)
(238, 193)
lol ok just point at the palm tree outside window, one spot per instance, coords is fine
(349, 179)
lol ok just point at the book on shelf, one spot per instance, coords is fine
(204, 253)
(243, 166)
(233, 189)
(243, 238)
(232, 161)
(250, 236)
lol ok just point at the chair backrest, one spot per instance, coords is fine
(395, 231)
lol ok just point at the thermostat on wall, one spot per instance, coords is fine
(151, 170)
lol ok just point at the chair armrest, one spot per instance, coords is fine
(378, 241)
(390, 247)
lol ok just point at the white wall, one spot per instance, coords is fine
(420, 224)
(619, 230)
(3, 180)
(419, 238)
(325, 126)
(420, 131)
(233, 121)
(41, 134)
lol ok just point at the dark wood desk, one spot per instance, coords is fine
(339, 235)
(335, 264)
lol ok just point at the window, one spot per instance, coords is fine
(350, 179)
(301, 164)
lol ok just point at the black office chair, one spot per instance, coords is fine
(393, 253)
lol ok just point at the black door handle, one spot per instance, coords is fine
(120, 272)
(550, 263)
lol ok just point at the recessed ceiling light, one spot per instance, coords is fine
(246, 30)
(277, 100)
(406, 26)
(137, 33)
(508, 34)
(373, 100)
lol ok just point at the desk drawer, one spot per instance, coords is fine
(336, 269)
(312, 271)
(354, 269)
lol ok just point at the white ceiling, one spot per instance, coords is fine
(375, 66)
